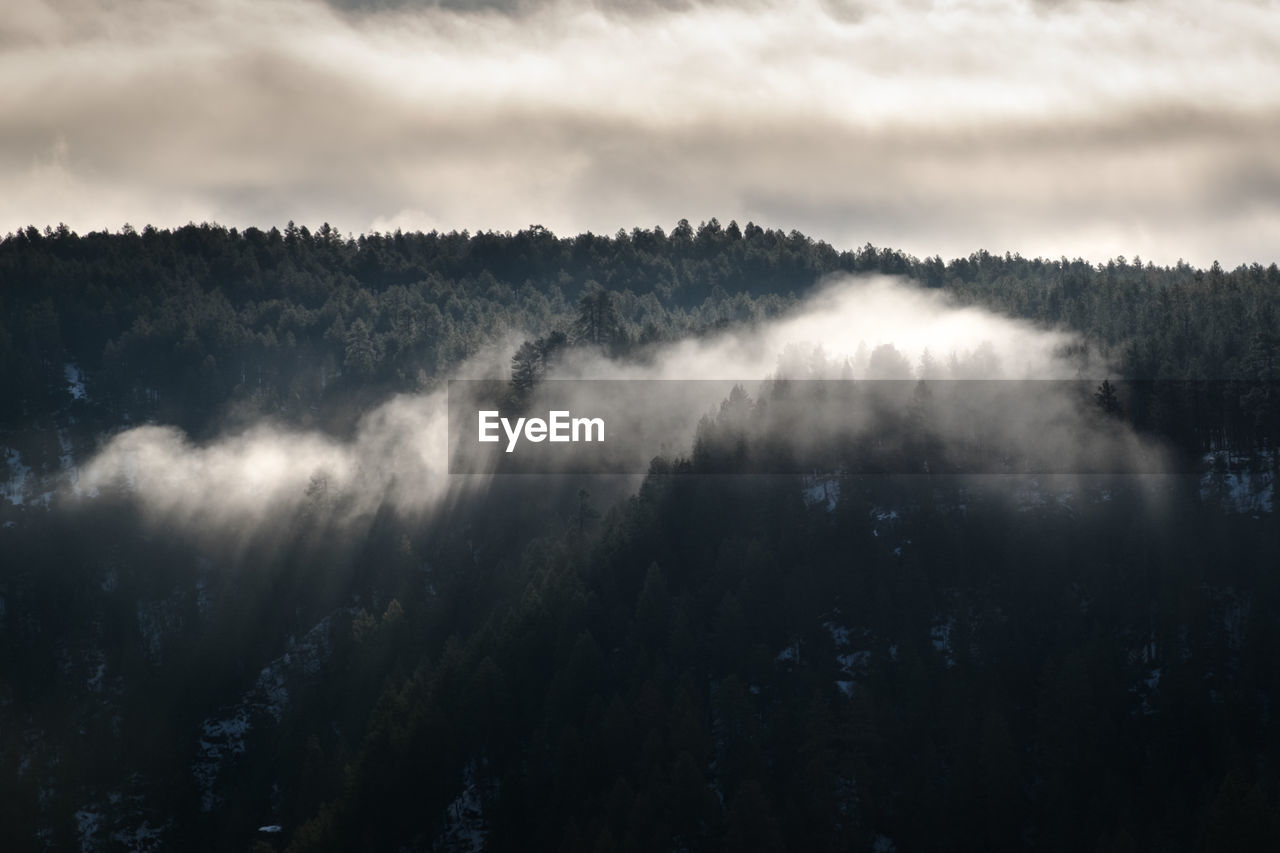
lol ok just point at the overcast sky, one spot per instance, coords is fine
(1090, 128)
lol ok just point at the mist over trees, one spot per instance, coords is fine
(819, 661)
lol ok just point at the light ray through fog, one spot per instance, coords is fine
(399, 453)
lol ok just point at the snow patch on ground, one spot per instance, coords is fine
(14, 488)
(465, 831)
(1147, 657)
(824, 492)
(882, 518)
(75, 381)
(1148, 686)
(1244, 486)
(119, 824)
(225, 734)
(97, 662)
(940, 634)
(220, 739)
(141, 839)
(854, 663)
(88, 824)
(271, 685)
(883, 844)
(839, 633)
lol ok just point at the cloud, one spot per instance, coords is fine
(1076, 128)
(398, 456)
(846, 319)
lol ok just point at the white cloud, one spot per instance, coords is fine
(1077, 128)
(398, 456)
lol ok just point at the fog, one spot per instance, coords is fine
(398, 456)
(847, 320)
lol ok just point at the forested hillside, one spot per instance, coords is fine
(814, 661)
(177, 324)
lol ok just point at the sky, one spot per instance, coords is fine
(1078, 128)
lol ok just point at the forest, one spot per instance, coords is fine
(711, 656)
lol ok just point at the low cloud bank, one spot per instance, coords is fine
(869, 328)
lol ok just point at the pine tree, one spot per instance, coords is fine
(1107, 399)
(598, 323)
